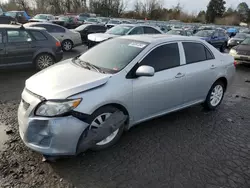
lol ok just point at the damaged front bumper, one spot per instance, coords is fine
(60, 136)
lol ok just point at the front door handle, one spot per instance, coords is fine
(179, 75)
(212, 67)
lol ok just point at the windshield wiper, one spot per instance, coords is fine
(89, 65)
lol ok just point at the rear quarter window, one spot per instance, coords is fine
(38, 35)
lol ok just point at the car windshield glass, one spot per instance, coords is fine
(41, 16)
(92, 20)
(246, 41)
(240, 36)
(114, 54)
(175, 32)
(205, 33)
(82, 27)
(64, 18)
(12, 14)
(119, 30)
(105, 19)
(114, 22)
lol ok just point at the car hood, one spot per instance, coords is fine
(242, 48)
(98, 37)
(63, 80)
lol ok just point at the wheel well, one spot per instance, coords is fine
(34, 60)
(68, 40)
(223, 80)
(119, 107)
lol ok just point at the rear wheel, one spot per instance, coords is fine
(215, 96)
(43, 61)
(97, 119)
(67, 45)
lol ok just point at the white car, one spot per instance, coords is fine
(68, 38)
(88, 101)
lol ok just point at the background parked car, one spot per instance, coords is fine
(237, 39)
(87, 29)
(92, 21)
(7, 19)
(112, 23)
(122, 29)
(21, 16)
(70, 22)
(68, 38)
(27, 46)
(217, 38)
(180, 32)
(241, 52)
(42, 18)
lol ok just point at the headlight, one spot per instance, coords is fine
(56, 107)
(233, 52)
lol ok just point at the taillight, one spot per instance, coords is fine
(235, 63)
(58, 44)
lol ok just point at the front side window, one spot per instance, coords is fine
(204, 33)
(136, 31)
(18, 36)
(163, 57)
(56, 29)
(196, 52)
(114, 54)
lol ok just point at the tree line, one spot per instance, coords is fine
(216, 11)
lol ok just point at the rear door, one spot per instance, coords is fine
(2, 47)
(19, 47)
(200, 72)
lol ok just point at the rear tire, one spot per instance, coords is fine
(112, 139)
(43, 61)
(67, 45)
(215, 95)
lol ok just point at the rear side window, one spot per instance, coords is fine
(55, 29)
(38, 35)
(163, 57)
(150, 30)
(196, 52)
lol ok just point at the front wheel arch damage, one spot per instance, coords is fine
(90, 137)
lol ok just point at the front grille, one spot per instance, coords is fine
(241, 52)
(25, 104)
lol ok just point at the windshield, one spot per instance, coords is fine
(92, 20)
(119, 30)
(175, 32)
(64, 18)
(204, 33)
(114, 22)
(41, 16)
(240, 36)
(11, 14)
(246, 41)
(82, 27)
(114, 54)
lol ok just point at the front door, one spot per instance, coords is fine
(19, 47)
(200, 72)
(162, 92)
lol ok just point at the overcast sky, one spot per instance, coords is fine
(193, 5)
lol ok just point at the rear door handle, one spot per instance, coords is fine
(179, 75)
(213, 67)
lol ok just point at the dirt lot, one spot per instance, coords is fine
(191, 148)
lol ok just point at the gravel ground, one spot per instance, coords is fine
(191, 148)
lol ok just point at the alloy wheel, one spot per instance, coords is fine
(44, 61)
(216, 95)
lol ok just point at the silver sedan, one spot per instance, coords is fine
(69, 107)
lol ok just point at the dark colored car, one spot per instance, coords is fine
(28, 46)
(237, 39)
(241, 53)
(70, 22)
(217, 38)
(7, 19)
(20, 16)
(86, 29)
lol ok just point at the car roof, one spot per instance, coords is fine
(41, 23)
(9, 26)
(158, 38)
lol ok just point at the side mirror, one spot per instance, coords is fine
(145, 70)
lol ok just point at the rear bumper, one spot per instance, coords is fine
(242, 59)
(59, 56)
